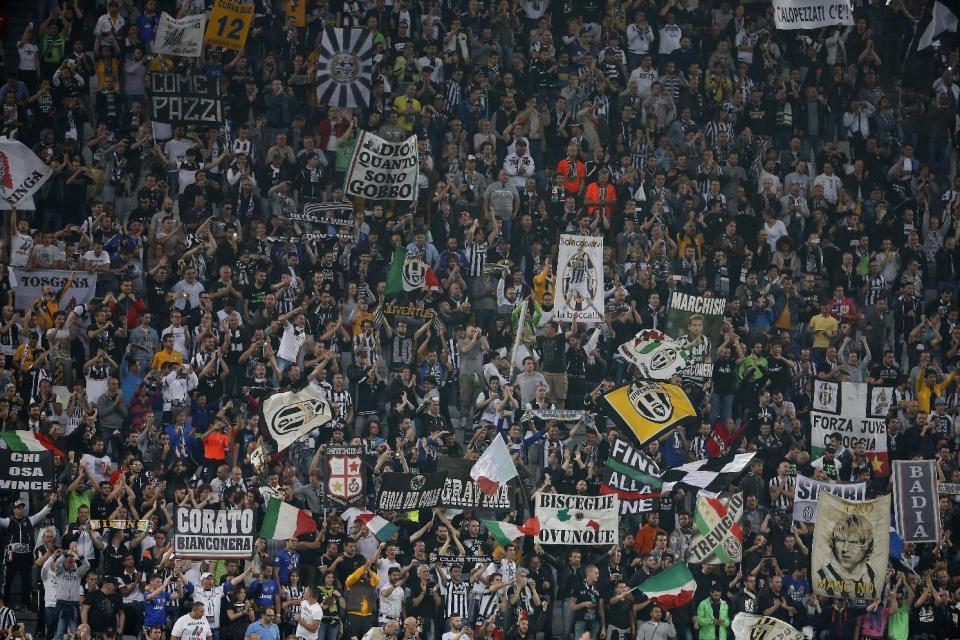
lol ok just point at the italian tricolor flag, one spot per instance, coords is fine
(505, 533)
(671, 588)
(379, 526)
(285, 521)
(28, 441)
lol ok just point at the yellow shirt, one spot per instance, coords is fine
(828, 324)
(400, 104)
(540, 285)
(161, 357)
(925, 394)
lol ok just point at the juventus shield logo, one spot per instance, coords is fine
(414, 274)
(652, 402)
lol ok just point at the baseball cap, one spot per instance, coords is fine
(20, 503)
(205, 575)
(830, 449)
(939, 401)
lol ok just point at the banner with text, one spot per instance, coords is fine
(28, 286)
(633, 476)
(851, 548)
(695, 322)
(577, 520)
(808, 491)
(26, 470)
(204, 533)
(579, 289)
(855, 410)
(180, 37)
(460, 491)
(343, 476)
(185, 99)
(811, 14)
(915, 500)
(382, 170)
(339, 214)
(410, 491)
(229, 24)
(718, 536)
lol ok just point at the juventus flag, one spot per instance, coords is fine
(293, 414)
(345, 67)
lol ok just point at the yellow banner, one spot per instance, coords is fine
(298, 10)
(229, 24)
(647, 410)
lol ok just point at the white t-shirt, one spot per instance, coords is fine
(20, 246)
(28, 56)
(179, 339)
(309, 613)
(187, 628)
(211, 604)
(290, 342)
(96, 260)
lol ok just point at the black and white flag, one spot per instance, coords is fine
(345, 67)
(714, 475)
(941, 19)
(293, 414)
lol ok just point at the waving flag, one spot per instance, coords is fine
(28, 442)
(506, 532)
(671, 588)
(22, 172)
(494, 468)
(409, 273)
(656, 355)
(284, 521)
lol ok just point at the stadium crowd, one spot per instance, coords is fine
(806, 177)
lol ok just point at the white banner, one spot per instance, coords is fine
(21, 171)
(382, 170)
(749, 626)
(851, 545)
(180, 37)
(808, 490)
(78, 287)
(855, 410)
(579, 279)
(577, 520)
(293, 414)
(655, 354)
(811, 14)
(205, 533)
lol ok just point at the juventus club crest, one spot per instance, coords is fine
(344, 476)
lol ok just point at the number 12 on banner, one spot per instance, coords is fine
(229, 24)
